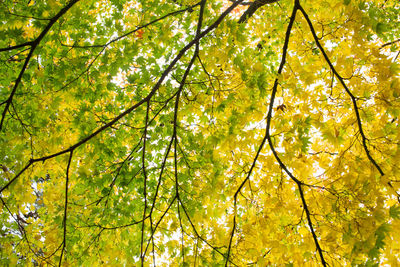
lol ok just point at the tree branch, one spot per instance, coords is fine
(267, 133)
(390, 43)
(144, 180)
(33, 45)
(341, 80)
(254, 6)
(141, 102)
(64, 242)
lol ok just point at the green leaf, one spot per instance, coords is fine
(381, 28)
(394, 212)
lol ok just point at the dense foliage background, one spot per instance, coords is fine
(199, 133)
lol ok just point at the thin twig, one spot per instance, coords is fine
(34, 44)
(353, 98)
(64, 242)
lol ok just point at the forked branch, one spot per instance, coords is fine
(160, 81)
(267, 137)
(34, 44)
(352, 97)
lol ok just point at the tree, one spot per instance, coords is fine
(200, 133)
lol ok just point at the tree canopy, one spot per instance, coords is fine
(200, 132)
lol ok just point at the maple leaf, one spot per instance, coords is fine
(139, 33)
(199, 133)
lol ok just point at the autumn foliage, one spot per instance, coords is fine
(200, 133)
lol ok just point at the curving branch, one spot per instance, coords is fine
(175, 123)
(390, 43)
(34, 44)
(20, 223)
(104, 46)
(267, 137)
(267, 134)
(189, 9)
(159, 221)
(160, 81)
(202, 238)
(341, 80)
(120, 226)
(253, 7)
(174, 134)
